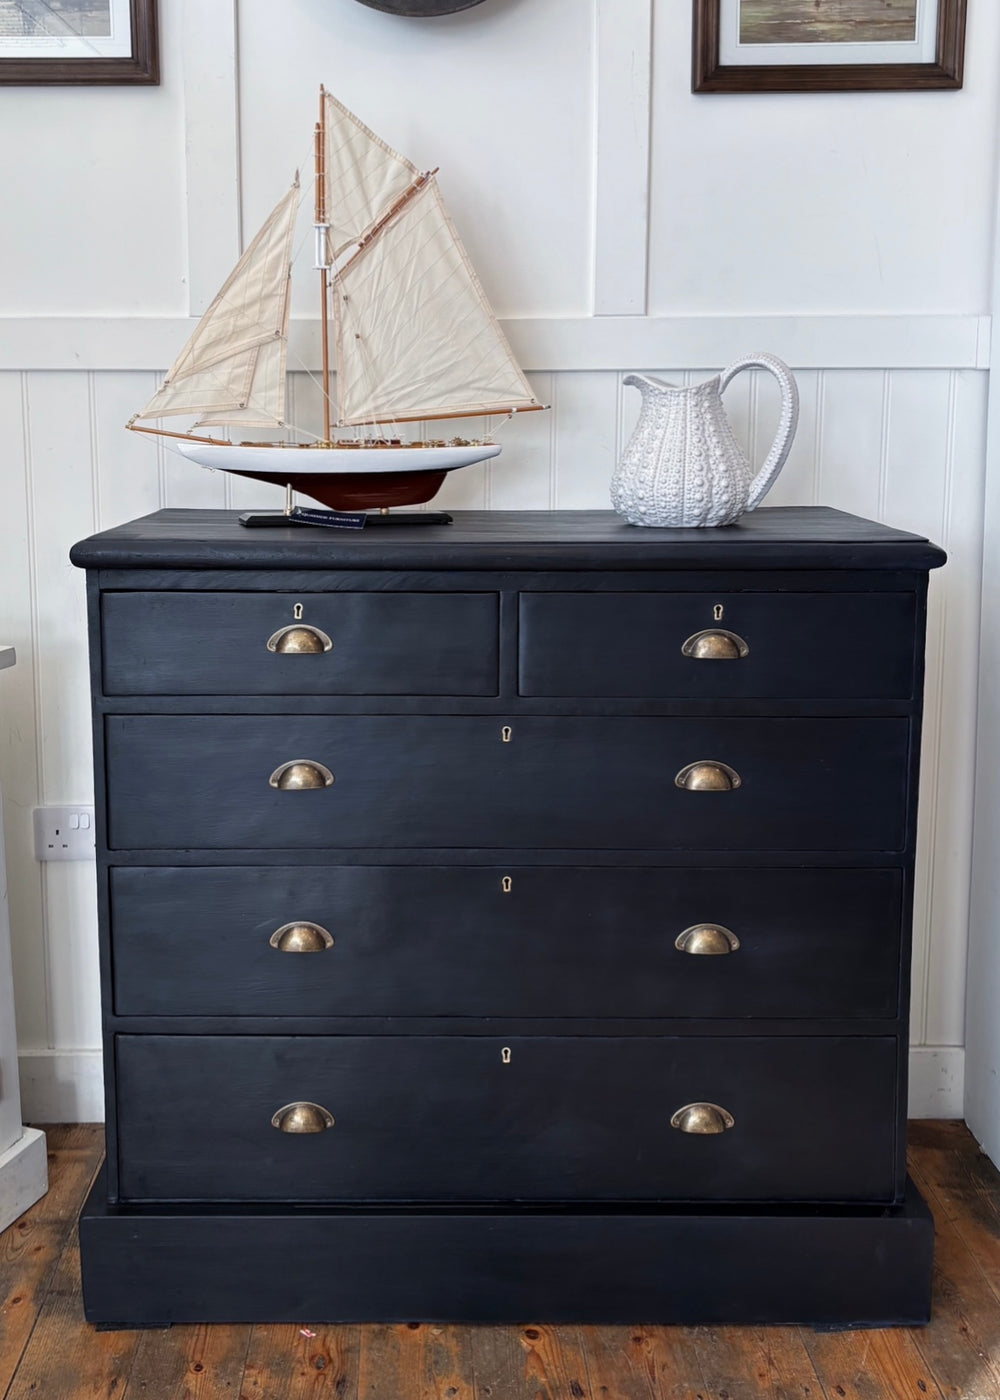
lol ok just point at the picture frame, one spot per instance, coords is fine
(63, 42)
(722, 62)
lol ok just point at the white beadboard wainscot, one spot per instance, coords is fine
(905, 446)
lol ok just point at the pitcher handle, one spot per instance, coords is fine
(782, 445)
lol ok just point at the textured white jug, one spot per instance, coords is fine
(683, 465)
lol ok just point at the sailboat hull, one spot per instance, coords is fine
(344, 478)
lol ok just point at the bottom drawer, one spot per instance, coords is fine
(480, 1118)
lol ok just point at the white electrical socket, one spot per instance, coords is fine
(64, 833)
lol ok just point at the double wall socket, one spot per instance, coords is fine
(64, 833)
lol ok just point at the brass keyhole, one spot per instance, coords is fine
(505, 1054)
(717, 612)
(506, 884)
(297, 612)
(506, 733)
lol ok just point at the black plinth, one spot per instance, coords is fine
(816, 1266)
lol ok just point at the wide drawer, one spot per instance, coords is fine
(182, 781)
(499, 941)
(795, 645)
(463, 1118)
(379, 643)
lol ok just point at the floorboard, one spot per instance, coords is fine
(48, 1352)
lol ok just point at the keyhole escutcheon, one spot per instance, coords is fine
(297, 612)
(506, 733)
(506, 884)
(505, 1054)
(717, 612)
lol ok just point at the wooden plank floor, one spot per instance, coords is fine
(47, 1351)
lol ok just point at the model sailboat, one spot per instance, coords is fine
(415, 339)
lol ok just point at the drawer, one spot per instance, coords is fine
(498, 941)
(444, 1118)
(183, 781)
(380, 644)
(798, 645)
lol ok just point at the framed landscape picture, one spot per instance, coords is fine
(78, 41)
(827, 45)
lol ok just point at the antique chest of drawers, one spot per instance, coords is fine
(507, 919)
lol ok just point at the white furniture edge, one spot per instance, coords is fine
(23, 1159)
(24, 1175)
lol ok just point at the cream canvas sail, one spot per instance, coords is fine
(232, 370)
(416, 337)
(364, 177)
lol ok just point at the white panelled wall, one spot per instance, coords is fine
(619, 223)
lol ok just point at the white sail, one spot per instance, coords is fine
(416, 337)
(232, 369)
(364, 177)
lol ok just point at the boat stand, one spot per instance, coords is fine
(338, 519)
(341, 520)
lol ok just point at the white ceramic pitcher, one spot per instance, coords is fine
(683, 465)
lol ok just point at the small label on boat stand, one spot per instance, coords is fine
(332, 519)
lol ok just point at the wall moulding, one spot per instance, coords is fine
(557, 344)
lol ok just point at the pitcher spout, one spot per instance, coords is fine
(647, 385)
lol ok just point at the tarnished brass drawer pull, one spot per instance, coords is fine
(301, 773)
(708, 776)
(301, 937)
(715, 644)
(702, 1118)
(702, 939)
(302, 1118)
(299, 639)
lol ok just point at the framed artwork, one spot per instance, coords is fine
(827, 45)
(78, 41)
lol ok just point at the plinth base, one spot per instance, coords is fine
(822, 1267)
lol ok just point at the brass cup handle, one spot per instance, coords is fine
(705, 939)
(702, 1118)
(715, 644)
(708, 776)
(300, 639)
(302, 1118)
(301, 937)
(301, 773)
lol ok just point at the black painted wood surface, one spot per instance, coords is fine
(801, 645)
(409, 781)
(452, 942)
(443, 1118)
(816, 1266)
(782, 537)
(564, 629)
(394, 643)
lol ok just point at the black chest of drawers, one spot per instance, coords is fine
(507, 919)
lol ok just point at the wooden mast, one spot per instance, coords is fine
(322, 245)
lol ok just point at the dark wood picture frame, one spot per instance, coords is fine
(710, 75)
(141, 65)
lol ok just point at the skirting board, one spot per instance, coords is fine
(66, 1086)
(24, 1175)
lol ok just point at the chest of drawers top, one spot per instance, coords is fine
(778, 537)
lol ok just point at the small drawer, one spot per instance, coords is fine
(740, 646)
(464, 1118)
(410, 781)
(308, 644)
(505, 941)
